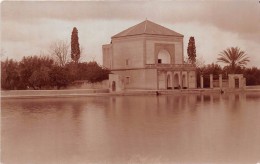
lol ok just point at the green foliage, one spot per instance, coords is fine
(34, 71)
(206, 70)
(191, 50)
(92, 72)
(72, 71)
(40, 77)
(59, 77)
(252, 75)
(214, 69)
(75, 50)
(40, 72)
(234, 57)
(9, 74)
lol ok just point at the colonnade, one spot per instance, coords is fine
(211, 81)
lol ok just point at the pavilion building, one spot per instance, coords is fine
(148, 56)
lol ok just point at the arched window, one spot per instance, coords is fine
(169, 81)
(164, 57)
(176, 81)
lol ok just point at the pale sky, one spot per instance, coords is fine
(30, 27)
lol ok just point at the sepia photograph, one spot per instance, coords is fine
(130, 82)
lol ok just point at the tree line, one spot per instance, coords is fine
(41, 72)
(51, 71)
(235, 61)
(45, 72)
(252, 74)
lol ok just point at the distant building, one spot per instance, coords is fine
(148, 56)
(233, 81)
(236, 81)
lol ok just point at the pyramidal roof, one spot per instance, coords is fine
(147, 27)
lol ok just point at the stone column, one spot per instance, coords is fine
(165, 79)
(211, 81)
(188, 79)
(240, 82)
(231, 82)
(157, 78)
(201, 81)
(172, 75)
(220, 81)
(181, 79)
(244, 82)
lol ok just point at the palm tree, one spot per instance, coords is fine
(234, 57)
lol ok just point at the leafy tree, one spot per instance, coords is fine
(92, 72)
(252, 76)
(34, 71)
(206, 70)
(26, 66)
(234, 57)
(214, 69)
(75, 50)
(40, 77)
(191, 50)
(9, 74)
(59, 77)
(40, 72)
(72, 71)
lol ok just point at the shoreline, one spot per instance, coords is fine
(28, 94)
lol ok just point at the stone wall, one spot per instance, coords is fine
(85, 85)
(138, 79)
(128, 53)
(192, 79)
(107, 56)
(116, 83)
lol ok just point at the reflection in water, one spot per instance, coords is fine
(132, 129)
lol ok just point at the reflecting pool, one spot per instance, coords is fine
(190, 128)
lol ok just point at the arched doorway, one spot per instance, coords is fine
(169, 81)
(113, 86)
(164, 57)
(176, 81)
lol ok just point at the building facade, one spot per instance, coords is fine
(148, 56)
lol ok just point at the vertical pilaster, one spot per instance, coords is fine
(211, 80)
(231, 82)
(112, 56)
(201, 81)
(240, 82)
(165, 79)
(181, 80)
(157, 79)
(220, 81)
(173, 82)
(144, 52)
(188, 79)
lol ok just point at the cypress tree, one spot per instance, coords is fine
(191, 50)
(75, 51)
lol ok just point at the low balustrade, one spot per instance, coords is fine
(175, 66)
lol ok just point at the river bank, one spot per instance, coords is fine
(105, 92)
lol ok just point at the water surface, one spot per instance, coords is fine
(132, 129)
